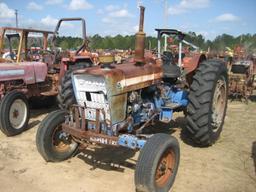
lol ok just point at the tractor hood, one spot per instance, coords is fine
(121, 78)
(29, 72)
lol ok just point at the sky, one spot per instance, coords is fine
(111, 17)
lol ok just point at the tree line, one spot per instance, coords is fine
(128, 42)
(248, 41)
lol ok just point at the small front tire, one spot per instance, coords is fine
(49, 138)
(157, 164)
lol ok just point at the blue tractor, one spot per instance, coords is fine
(115, 104)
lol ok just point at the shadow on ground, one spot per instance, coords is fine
(32, 124)
(34, 113)
(118, 158)
(170, 128)
(254, 155)
(253, 98)
(108, 158)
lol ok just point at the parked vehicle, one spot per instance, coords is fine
(242, 72)
(117, 102)
(33, 74)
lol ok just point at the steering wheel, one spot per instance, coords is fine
(163, 56)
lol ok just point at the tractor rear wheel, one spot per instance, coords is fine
(207, 106)
(157, 164)
(66, 97)
(14, 113)
(52, 143)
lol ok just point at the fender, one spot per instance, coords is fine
(190, 64)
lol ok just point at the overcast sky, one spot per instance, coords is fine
(111, 17)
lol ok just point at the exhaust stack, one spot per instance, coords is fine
(140, 40)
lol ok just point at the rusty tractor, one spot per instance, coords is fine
(30, 75)
(117, 103)
(241, 79)
(242, 72)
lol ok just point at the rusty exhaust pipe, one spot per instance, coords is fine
(140, 40)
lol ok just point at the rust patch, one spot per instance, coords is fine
(90, 136)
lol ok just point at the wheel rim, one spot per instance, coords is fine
(61, 141)
(18, 114)
(165, 168)
(219, 103)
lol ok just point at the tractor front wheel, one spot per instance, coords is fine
(14, 113)
(52, 143)
(157, 164)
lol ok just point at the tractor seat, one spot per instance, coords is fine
(168, 57)
(170, 68)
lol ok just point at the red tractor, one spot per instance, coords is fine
(33, 74)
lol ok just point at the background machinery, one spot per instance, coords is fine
(33, 74)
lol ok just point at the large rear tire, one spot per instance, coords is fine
(157, 164)
(207, 102)
(66, 97)
(52, 143)
(14, 113)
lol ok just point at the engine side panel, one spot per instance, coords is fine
(117, 83)
(118, 105)
(40, 70)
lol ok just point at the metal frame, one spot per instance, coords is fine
(75, 125)
(85, 40)
(181, 36)
(23, 39)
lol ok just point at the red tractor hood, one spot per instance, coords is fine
(29, 72)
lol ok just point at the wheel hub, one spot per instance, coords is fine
(165, 168)
(18, 113)
(15, 113)
(60, 140)
(218, 105)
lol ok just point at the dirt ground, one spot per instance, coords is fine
(228, 166)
